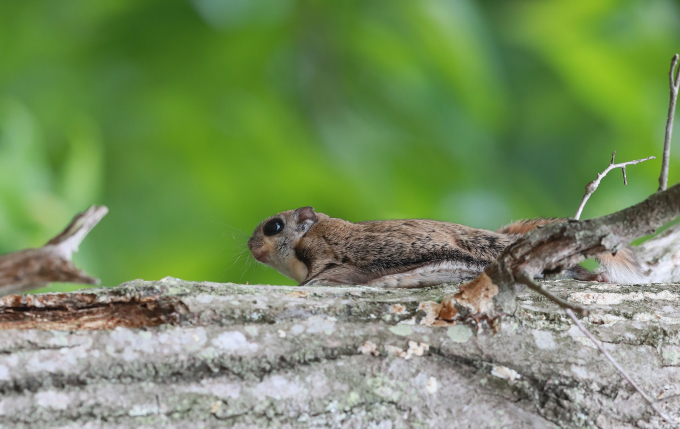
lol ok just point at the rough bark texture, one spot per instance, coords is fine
(267, 356)
(661, 256)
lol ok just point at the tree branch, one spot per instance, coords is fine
(559, 246)
(33, 268)
(675, 84)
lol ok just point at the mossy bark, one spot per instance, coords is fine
(267, 356)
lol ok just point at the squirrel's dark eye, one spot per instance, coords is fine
(273, 227)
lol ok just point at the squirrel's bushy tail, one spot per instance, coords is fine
(620, 267)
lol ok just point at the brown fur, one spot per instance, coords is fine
(523, 226)
(357, 253)
(622, 267)
(315, 248)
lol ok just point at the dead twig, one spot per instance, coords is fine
(526, 279)
(592, 186)
(668, 398)
(675, 84)
(33, 268)
(618, 367)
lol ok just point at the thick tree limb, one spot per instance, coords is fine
(274, 356)
(34, 268)
(675, 84)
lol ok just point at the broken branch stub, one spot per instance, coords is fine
(556, 247)
(34, 268)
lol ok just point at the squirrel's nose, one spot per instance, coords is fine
(258, 251)
(260, 254)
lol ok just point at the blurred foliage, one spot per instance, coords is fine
(194, 120)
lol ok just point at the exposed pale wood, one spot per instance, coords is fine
(85, 310)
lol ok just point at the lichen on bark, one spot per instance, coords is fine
(268, 356)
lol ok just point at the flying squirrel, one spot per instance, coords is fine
(314, 248)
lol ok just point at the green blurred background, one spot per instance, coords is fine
(192, 120)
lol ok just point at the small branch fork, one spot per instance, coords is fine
(618, 367)
(592, 186)
(675, 84)
(568, 307)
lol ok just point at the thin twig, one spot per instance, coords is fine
(668, 398)
(675, 84)
(618, 367)
(524, 278)
(592, 186)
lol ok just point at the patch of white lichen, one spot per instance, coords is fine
(267, 356)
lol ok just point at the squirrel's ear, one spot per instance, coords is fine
(306, 213)
(305, 218)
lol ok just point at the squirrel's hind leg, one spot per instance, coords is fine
(428, 275)
(337, 275)
(423, 276)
